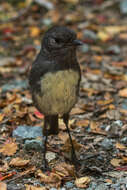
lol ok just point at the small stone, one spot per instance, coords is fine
(114, 50)
(62, 188)
(27, 132)
(33, 144)
(118, 123)
(50, 156)
(84, 48)
(116, 186)
(47, 4)
(47, 22)
(123, 6)
(92, 186)
(124, 140)
(107, 144)
(124, 106)
(101, 187)
(16, 84)
(88, 34)
(53, 188)
(69, 184)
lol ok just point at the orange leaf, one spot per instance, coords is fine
(116, 162)
(19, 162)
(3, 186)
(82, 182)
(39, 115)
(123, 92)
(31, 187)
(1, 116)
(34, 31)
(9, 148)
(120, 146)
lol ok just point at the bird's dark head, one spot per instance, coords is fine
(60, 38)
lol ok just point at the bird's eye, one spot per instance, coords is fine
(57, 40)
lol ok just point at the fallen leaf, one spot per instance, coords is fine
(94, 126)
(18, 162)
(123, 92)
(31, 187)
(34, 31)
(67, 147)
(76, 111)
(123, 168)
(116, 162)
(120, 146)
(63, 136)
(124, 159)
(3, 186)
(103, 36)
(104, 102)
(64, 170)
(1, 116)
(82, 123)
(108, 181)
(71, 1)
(53, 179)
(82, 182)
(39, 115)
(7, 176)
(9, 148)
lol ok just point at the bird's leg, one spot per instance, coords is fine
(73, 154)
(46, 121)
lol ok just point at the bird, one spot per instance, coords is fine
(54, 80)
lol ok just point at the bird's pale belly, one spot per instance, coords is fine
(58, 92)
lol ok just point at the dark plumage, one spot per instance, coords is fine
(55, 76)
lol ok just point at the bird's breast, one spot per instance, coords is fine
(58, 91)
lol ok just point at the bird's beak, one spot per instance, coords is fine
(77, 42)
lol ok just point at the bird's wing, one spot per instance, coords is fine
(39, 68)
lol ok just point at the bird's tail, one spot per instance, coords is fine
(51, 125)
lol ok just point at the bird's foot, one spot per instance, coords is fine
(75, 161)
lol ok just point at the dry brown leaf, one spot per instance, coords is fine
(116, 162)
(64, 170)
(82, 123)
(19, 162)
(31, 187)
(8, 148)
(123, 92)
(54, 15)
(82, 182)
(104, 102)
(108, 181)
(124, 159)
(71, 1)
(67, 147)
(76, 111)
(63, 136)
(95, 128)
(53, 179)
(3, 186)
(29, 170)
(34, 31)
(1, 117)
(120, 146)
